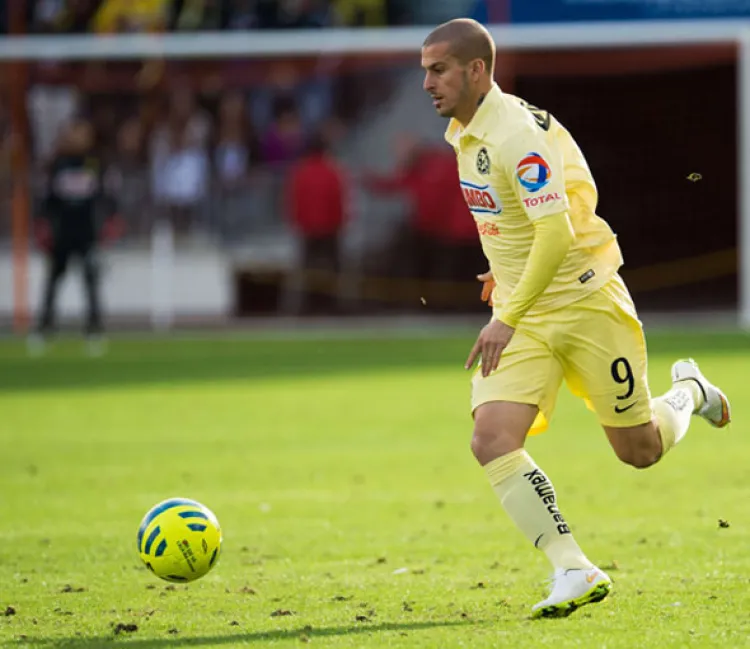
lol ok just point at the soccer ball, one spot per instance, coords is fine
(179, 540)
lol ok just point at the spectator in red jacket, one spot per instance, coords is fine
(316, 209)
(427, 176)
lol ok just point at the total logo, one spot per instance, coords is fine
(541, 200)
(481, 199)
(533, 172)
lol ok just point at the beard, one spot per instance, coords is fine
(447, 112)
(463, 98)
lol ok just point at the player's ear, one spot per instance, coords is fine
(477, 68)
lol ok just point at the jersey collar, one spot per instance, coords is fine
(480, 123)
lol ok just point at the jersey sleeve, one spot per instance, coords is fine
(534, 166)
(552, 238)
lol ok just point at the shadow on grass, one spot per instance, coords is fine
(245, 638)
(167, 361)
(171, 362)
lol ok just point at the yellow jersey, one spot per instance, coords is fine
(516, 164)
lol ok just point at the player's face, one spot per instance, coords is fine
(445, 79)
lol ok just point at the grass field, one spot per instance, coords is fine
(353, 512)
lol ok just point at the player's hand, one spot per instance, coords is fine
(488, 285)
(493, 339)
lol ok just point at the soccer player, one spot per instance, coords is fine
(75, 188)
(560, 308)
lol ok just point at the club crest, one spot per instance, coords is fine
(483, 162)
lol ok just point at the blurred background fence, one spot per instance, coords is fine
(285, 161)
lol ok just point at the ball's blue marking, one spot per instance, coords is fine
(192, 514)
(159, 509)
(161, 547)
(197, 527)
(151, 538)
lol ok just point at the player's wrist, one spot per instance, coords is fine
(508, 318)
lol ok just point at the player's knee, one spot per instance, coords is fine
(486, 447)
(494, 436)
(639, 457)
(638, 446)
(482, 445)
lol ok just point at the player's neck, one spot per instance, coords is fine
(465, 117)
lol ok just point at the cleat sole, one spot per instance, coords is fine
(596, 594)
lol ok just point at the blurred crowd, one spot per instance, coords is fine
(119, 16)
(182, 152)
(235, 149)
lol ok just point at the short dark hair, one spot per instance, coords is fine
(468, 40)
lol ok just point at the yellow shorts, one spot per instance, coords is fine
(596, 344)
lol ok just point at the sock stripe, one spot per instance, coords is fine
(503, 467)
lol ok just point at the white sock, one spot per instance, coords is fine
(528, 496)
(673, 411)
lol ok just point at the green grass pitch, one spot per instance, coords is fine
(353, 512)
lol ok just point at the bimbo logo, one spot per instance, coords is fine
(481, 199)
(533, 172)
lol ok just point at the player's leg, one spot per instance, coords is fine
(90, 270)
(308, 276)
(518, 398)
(57, 260)
(639, 446)
(524, 490)
(605, 361)
(57, 264)
(691, 394)
(94, 330)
